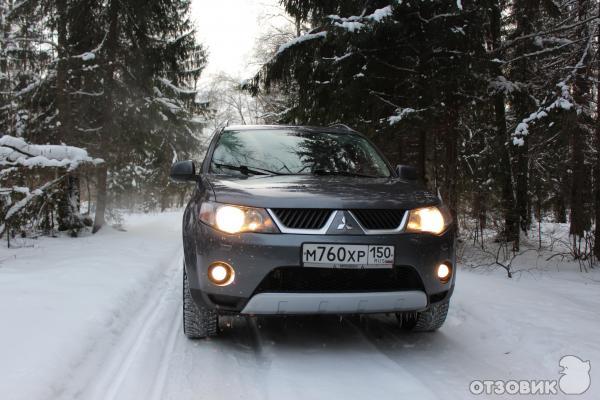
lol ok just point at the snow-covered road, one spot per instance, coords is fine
(99, 318)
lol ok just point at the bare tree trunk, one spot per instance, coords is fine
(511, 216)
(89, 194)
(109, 127)
(579, 219)
(99, 219)
(479, 215)
(423, 156)
(67, 211)
(597, 166)
(298, 26)
(523, 105)
(449, 185)
(560, 209)
(5, 81)
(62, 99)
(68, 208)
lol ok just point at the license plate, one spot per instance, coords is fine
(347, 256)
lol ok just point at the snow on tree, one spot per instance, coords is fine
(493, 102)
(44, 167)
(80, 73)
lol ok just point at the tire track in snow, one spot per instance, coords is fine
(257, 339)
(135, 336)
(436, 359)
(161, 379)
(326, 356)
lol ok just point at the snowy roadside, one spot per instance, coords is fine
(64, 298)
(100, 318)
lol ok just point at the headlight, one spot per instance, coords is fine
(236, 219)
(429, 219)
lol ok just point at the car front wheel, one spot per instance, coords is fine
(425, 321)
(198, 322)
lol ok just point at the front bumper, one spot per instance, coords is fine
(254, 257)
(335, 303)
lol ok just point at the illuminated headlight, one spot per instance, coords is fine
(429, 219)
(236, 219)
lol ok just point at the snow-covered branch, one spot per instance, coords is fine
(175, 88)
(300, 39)
(512, 42)
(564, 100)
(358, 22)
(16, 152)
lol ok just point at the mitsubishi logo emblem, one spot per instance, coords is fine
(344, 225)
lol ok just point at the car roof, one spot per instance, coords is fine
(337, 128)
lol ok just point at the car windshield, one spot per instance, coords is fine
(292, 152)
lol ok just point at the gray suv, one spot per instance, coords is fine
(289, 220)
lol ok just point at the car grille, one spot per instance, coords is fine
(302, 218)
(330, 280)
(379, 219)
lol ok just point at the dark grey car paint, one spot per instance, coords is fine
(254, 255)
(334, 192)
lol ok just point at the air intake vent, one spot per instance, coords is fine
(302, 218)
(379, 219)
(332, 280)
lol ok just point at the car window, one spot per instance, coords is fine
(296, 152)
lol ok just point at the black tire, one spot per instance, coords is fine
(198, 322)
(429, 320)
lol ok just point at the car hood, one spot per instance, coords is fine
(308, 191)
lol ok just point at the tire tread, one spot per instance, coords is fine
(198, 322)
(429, 320)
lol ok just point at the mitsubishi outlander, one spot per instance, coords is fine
(289, 220)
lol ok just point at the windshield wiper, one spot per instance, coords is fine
(342, 173)
(247, 171)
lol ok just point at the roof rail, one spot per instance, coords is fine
(343, 126)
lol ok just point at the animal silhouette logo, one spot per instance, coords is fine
(575, 375)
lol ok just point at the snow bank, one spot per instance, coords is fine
(63, 299)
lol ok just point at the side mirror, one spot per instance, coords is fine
(407, 173)
(183, 171)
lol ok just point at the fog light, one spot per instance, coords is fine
(443, 272)
(220, 273)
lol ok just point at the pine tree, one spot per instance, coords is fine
(384, 68)
(148, 104)
(483, 98)
(115, 77)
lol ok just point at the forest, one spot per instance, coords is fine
(496, 103)
(120, 280)
(114, 78)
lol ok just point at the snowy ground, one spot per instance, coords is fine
(99, 318)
